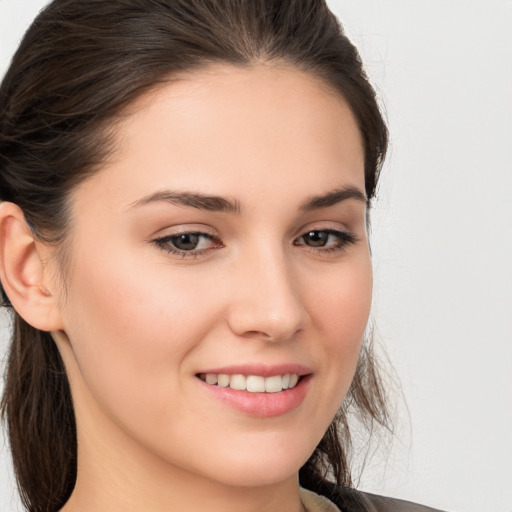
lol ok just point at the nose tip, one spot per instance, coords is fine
(270, 325)
(269, 306)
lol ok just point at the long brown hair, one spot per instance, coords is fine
(79, 65)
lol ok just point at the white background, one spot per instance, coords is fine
(442, 242)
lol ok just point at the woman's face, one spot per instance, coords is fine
(226, 236)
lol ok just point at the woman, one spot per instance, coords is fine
(185, 190)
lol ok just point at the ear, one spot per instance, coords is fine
(23, 273)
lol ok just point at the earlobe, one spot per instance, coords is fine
(23, 273)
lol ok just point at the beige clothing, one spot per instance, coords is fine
(345, 499)
(316, 503)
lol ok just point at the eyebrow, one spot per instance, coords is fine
(334, 197)
(195, 200)
(223, 204)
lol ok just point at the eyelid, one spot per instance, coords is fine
(329, 230)
(164, 242)
(183, 229)
(345, 238)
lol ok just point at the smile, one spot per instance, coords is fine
(251, 383)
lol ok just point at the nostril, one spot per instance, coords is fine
(254, 323)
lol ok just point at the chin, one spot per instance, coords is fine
(253, 475)
(261, 467)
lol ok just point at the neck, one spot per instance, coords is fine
(173, 493)
(121, 477)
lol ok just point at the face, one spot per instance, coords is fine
(220, 257)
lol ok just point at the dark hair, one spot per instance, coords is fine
(79, 65)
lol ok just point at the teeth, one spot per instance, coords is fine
(252, 383)
(256, 384)
(223, 380)
(273, 384)
(211, 378)
(238, 382)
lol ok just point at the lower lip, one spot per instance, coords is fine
(262, 405)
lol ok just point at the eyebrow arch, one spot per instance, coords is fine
(195, 200)
(333, 197)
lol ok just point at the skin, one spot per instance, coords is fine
(136, 323)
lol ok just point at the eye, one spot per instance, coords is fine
(326, 239)
(188, 244)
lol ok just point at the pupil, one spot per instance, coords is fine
(186, 242)
(317, 238)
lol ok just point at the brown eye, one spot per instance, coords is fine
(185, 242)
(326, 239)
(188, 244)
(316, 238)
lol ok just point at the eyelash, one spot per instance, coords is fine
(165, 244)
(344, 238)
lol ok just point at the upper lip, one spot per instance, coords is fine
(262, 370)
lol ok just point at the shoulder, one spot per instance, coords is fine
(375, 503)
(351, 500)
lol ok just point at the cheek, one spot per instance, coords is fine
(342, 300)
(131, 331)
(341, 308)
(133, 305)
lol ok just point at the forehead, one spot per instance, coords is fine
(237, 130)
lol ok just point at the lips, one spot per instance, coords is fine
(256, 390)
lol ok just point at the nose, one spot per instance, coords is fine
(266, 299)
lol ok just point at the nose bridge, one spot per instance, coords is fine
(268, 301)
